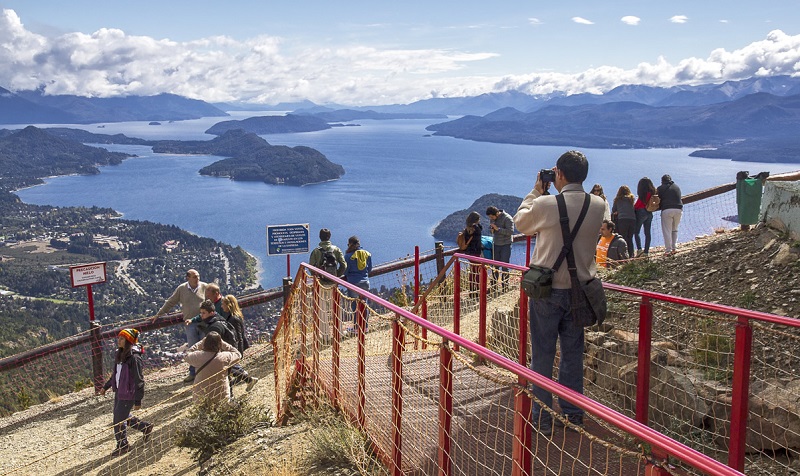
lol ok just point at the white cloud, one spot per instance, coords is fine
(723, 21)
(534, 21)
(269, 69)
(630, 20)
(582, 21)
(679, 19)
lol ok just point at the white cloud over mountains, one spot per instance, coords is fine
(630, 20)
(266, 69)
(582, 21)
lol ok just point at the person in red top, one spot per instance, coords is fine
(644, 190)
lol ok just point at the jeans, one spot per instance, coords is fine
(122, 410)
(193, 336)
(670, 218)
(551, 321)
(352, 294)
(502, 253)
(626, 227)
(643, 217)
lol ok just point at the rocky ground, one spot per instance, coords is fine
(757, 269)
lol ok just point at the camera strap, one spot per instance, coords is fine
(568, 237)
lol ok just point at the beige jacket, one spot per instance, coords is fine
(189, 301)
(539, 214)
(212, 381)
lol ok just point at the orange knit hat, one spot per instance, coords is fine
(131, 335)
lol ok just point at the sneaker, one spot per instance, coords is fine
(639, 253)
(189, 379)
(146, 432)
(252, 383)
(575, 422)
(120, 449)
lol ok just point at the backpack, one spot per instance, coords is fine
(487, 246)
(329, 262)
(225, 330)
(462, 241)
(653, 204)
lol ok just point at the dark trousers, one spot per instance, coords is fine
(643, 218)
(123, 419)
(626, 227)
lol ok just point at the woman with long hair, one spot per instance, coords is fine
(233, 314)
(597, 189)
(127, 382)
(644, 190)
(624, 216)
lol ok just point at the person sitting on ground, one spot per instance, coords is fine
(212, 357)
(611, 247)
(127, 382)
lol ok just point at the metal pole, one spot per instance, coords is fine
(91, 302)
(398, 337)
(445, 410)
(741, 389)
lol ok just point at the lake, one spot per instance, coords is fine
(399, 183)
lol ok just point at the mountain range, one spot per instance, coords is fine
(626, 125)
(34, 107)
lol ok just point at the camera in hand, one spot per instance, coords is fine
(547, 175)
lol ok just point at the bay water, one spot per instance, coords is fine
(399, 183)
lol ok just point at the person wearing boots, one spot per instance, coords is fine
(127, 382)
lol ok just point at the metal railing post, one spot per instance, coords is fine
(336, 337)
(287, 288)
(456, 300)
(97, 356)
(520, 452)
(362, 368)
(445, 459)
(482, 286)
(438, 248)
(643, 370)
(315, 336)
(741, 393)
(416, 288)
(398, 338)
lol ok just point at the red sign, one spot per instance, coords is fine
(87, 274)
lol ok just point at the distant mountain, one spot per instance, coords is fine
(635, 125)
(345, 115)
(249, 106)
(84, 110)
(32, 153)
(17, 110)
(448, 228)
(254, 159)
(272, 125)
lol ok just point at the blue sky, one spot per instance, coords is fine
(362, 53)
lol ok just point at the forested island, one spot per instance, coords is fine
(448, 228)
(254, 159)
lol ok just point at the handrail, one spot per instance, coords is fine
(634, 428)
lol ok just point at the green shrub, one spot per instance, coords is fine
(210, 425)
(637, 273)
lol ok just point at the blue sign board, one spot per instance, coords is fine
(287, 239)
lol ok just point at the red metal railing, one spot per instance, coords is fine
(659, 442)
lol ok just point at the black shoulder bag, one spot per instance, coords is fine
(537, 281)
(588, 304)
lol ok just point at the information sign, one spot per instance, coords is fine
(87, 274)
(287, 239)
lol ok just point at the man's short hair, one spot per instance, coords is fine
(212, 288)
(207, 305)
(492, 211)
(610, 225)
(192, 272)
(324, 234)
(574, 166)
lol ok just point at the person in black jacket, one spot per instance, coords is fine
(127, 382)
(671, 212)
(472, 235)
(233, 314)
